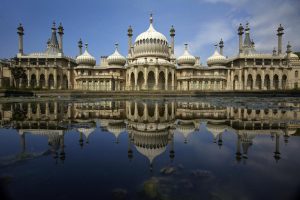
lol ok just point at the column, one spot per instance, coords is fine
(135, 78)
(46, 78)
(28, 78)
(156, 78)
(263, 80)
(173, 81)
(37, 77)
(146, 78)
(271, 80)
(55, 78)
(69, 80)
(166, 79)
(245, 79)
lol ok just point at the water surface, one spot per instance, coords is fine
(185, 148)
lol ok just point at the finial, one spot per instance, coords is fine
(216, 46)
(116, 46)
(53, 26)
(60, 29)
(20, 29)
(247, 26)
(186, 46)
(151, 17)
(86, 46)
(221, 43)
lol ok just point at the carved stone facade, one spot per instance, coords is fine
(152, 65)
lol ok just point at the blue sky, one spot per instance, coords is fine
(201, 23)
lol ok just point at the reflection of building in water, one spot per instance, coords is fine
(150, 128)
(151, 125)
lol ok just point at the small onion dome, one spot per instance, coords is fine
(216, 59)
(186, 58)
(86, 58)
(292, 57)
(116, 58)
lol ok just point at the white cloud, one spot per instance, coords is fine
(264, 17)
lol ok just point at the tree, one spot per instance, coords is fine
(18, 73)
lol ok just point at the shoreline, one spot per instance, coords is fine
(89, 94)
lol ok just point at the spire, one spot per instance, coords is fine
(60, 29)
(116, 46)
(248, 46)
(185, 46)
(221, 45)
(80, 46)
(20, 29)
(151, 18)
(288, 48)
(241, 30)
(129, 31)
(172, 31)
(86, 46)
(53, 47)
(280, 30)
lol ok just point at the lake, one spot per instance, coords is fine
(164, 149)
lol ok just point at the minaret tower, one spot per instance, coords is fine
(240, 33)
(172, 35)
(279, 34)
(60, 33)
(221, 45)
(80, 46)
(20, 33)
(129, 34)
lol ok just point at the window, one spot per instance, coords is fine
(296, 74)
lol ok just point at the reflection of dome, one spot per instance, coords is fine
(215, 130)
(151, 43)
(291, 131)
(86, 59)
(216, 59)
(116, 58)
(116, 128)
(186, 58)
(86, 131)
(186, 128)
(150, 144)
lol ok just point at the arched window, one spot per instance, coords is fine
(296, 74)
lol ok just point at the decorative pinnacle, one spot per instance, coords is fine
(53, 26)
(186, 46)
(172, 31)
(20, 29)
(216, 46)
(151, 18)
(241, 30)
(80, 43)
(129, 31)
(60, 29)
(247, 27)
(280, 30)
(221, 43)
(288, 47)
(116, 46)
(86, 46)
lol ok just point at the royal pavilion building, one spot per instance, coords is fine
(151, 64)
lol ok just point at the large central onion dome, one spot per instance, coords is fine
(186, 58)
(116, 58)
(216, 59)
(151, 43)
(86, 59)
